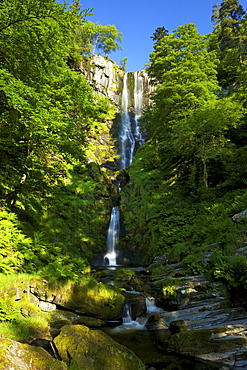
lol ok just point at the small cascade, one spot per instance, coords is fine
(112, 237)
(128, 323)
(127, 314)
(151, 306)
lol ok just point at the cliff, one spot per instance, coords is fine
(106, 77)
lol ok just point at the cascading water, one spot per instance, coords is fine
(126, 138)
(130, 139)
(112, 237)
(128, 323)
(138, 105)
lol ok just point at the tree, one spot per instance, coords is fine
(91, 38)
(187, 123)
(229, 40)
(185, 73)
(107, 38)
(46, 108)
(123, 63)
(158, 34)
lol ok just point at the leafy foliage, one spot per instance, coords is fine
(189, 178)
(50, 118)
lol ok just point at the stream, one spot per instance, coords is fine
(132, 332)
(135, 333)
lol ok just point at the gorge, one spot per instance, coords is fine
(119, 250)
(159, 310)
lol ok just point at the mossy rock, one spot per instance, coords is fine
(90, 321)
(19, 356)
(85, 349)
(88, 297)
(60, 318)
(197, 342)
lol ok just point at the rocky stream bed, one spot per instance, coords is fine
(194, 327)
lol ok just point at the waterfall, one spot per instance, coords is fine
(138, 105)
(126, 318)
(130, 139)
(126, 138)
(151, 306)
(128, 323)
(112, 237)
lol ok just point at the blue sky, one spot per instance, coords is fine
(138, 19)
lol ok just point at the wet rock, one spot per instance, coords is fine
(204, 325)
(83, 348)
(138, 305)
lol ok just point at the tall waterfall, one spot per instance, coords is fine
(112, 237)
(130, 139)
(126, 138)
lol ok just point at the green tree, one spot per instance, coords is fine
(158, 34)
(107, 39)
(91, 38)
(229, 40)
(185, 73)
(123, 63)
(46, 108)
(186, 136)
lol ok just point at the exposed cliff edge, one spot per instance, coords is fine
(106, 77)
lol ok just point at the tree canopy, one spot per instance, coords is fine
(47, 112)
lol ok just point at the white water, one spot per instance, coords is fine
(112, 237)
(126, 138)
(138, 105)
(140, 322)
(130, 138)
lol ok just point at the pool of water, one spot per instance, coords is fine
(145, 344)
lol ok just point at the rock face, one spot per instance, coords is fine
(202, 323)
(106, 77)
(88, 298)
(86, 349)
(19, 356)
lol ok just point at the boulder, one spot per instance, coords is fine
(88, 297)
(204, 325)
(86, 349)
(20, 356)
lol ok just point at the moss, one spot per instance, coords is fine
(170, 285)
(19, 356)
(87, 297)
(94, 350)
(123, 274)
(194, 342)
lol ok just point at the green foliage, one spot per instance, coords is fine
(8, 311)
(12, 243)
(123, 274)
(170, 285)
(228, 40)
(91, 38)
(195, 263)
(123, 63)
(50, 121)
(232, 271)
(157, 272)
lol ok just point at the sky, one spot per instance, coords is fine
(138, 19)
